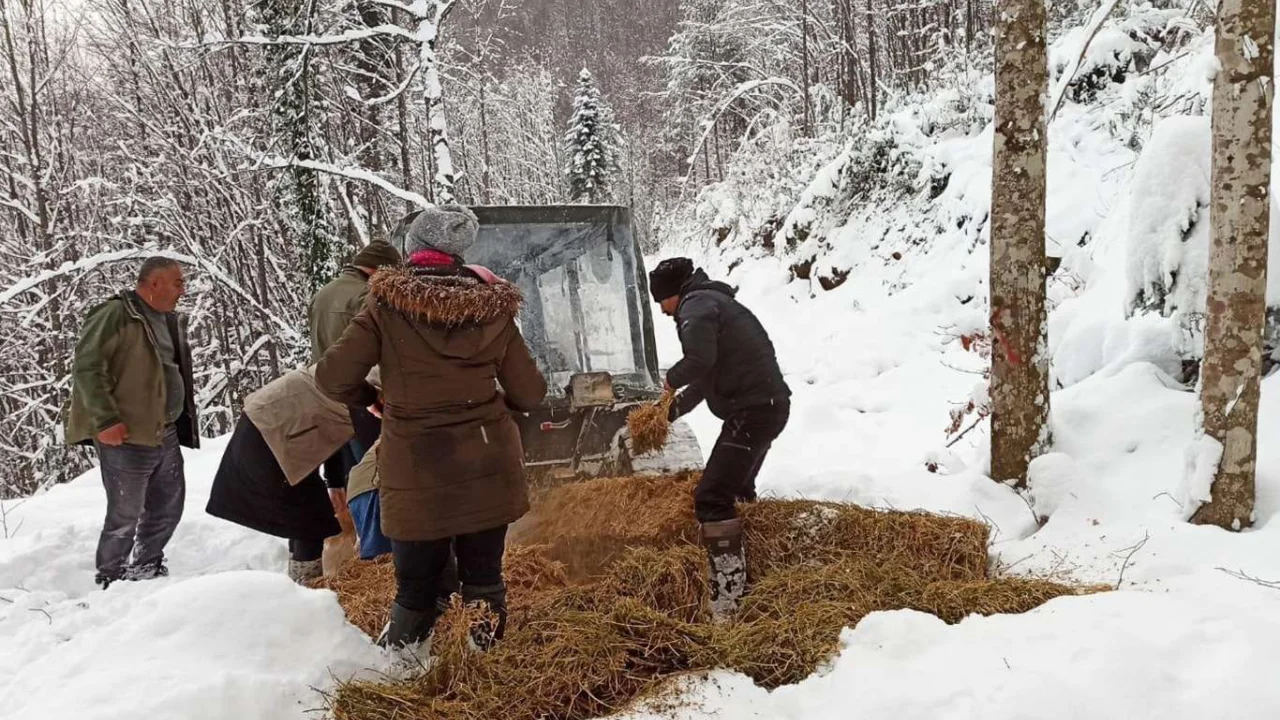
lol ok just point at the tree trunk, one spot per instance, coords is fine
(968, 27)
(486, 180)
(1232, 371)
(872, 90)
(437, 128)
(804, 66)
(1019, 362)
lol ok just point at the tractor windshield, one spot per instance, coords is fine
(579, 270)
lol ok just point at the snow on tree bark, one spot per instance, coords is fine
(1232, 369)
(1019, 365)
(300, 193)
(437, 129)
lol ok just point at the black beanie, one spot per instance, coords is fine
(671, 274)
(376, 254)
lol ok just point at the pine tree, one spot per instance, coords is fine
(591, 145)
(291, 81)
(1231, 375)
(1019, 364)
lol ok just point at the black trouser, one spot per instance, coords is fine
(422, 577)
(730, 475)
(306, 550)
(146, 489)
(338, 466)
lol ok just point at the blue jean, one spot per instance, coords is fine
(146, 491)
(367, 514)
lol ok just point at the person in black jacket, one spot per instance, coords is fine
(730, 363)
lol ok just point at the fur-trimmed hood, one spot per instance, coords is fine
(445, 301)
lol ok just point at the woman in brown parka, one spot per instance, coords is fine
(454, 366)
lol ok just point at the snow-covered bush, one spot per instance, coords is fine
(1168, 233)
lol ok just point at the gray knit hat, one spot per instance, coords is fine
(447, 228)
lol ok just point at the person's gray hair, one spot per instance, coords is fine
(153, 265)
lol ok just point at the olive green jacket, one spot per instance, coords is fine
(118, 377)
(333, 307)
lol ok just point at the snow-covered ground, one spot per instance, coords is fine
(227, 635)
(877, 365)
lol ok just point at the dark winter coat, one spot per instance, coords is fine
(333, 307)
(450, 460)
(251, 490)
(118, 376)
(728, 358)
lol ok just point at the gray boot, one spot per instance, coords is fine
(408, 628)
(304, 571)
(728, 562)
(493, 599)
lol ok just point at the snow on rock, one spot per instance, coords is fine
(226, 635)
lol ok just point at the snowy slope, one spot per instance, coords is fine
(877, 365)
(228, 635)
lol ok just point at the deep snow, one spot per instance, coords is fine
(877, 366)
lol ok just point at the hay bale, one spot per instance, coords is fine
(780, 534)
(650, 425)
(588, 525)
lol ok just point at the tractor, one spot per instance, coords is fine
(587, 321)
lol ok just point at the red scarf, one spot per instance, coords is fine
(430, 258)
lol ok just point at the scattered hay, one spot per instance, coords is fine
(365, 589)
(778, 651)
(674, 580)
(954, 601)
(592, 631)
(650, 425)
(588, 525)
(785, 533)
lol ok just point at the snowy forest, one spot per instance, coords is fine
(1017, 281)
(264, 142)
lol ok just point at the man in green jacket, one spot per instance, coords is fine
(331, 311)
(132, 397)
(341, 299)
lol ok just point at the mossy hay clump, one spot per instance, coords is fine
(588, 640)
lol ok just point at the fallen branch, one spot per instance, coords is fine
(1129, 558)
(1242, 575)
(1069, 74)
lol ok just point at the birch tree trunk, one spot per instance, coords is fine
(1232, 369)
(437, 127)
(1019, 362)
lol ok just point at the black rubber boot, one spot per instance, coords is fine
(407, 628)
(493, 598)
(728, 565)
